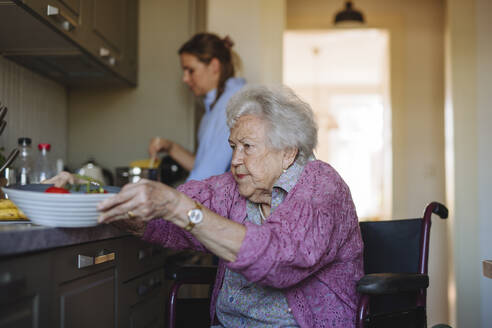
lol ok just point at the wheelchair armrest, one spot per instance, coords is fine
(391, 283)
(192, 274)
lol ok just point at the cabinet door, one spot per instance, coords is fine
(25, 292)
(88, 301)
(148, 314)
(73, 5)
(114, 35)
(142, 301)
(138, 257)
(64, 15)
(86, 284)
(109, 22)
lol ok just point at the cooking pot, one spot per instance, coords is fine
(168, 172)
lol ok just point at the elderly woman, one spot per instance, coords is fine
(283, 224)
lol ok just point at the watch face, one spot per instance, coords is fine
(195, 216)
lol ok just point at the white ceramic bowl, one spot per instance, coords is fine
(72, 210)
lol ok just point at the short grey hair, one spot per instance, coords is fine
(289, 119)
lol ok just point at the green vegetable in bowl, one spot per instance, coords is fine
(92, 186)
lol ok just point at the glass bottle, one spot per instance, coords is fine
(23, 167)
(43, 169)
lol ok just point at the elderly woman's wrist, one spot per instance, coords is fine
(179, 214)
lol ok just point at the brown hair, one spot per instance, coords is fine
(206, 46)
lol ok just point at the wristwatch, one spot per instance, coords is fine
(195, 216)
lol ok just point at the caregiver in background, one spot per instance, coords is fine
(208, 70)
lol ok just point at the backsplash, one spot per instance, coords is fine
(37, 108)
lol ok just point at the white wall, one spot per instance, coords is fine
(468, 158)
(484, 134)
(256, 27)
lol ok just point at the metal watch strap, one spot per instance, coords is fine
(190, 224)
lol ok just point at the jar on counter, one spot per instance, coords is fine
(44, 168)
(24, 164)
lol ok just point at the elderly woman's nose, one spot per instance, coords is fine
(237, 157)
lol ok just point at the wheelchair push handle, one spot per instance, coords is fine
(437, 208)
(442, 212)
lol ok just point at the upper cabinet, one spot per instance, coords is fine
(113, 35)
(75, 42)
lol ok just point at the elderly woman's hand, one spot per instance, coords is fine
(61, 179)
(144, 200)
(135, 226)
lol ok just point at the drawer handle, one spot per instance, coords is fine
(11, 288)
(144, 253)
(67, 22)
(84, 261)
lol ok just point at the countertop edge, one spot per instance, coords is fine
(487, 268)
(24, 238)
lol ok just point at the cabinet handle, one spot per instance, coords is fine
(152, 251)
(11, 288)
(84, 261)
(148, 286)
(67, 22)
(106, 53)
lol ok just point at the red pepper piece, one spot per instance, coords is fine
(57, 190)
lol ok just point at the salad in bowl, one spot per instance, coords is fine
(73, 205)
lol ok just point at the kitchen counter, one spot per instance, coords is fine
(18, 238)
(94, 277)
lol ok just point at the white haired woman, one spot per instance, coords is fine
(282, 223)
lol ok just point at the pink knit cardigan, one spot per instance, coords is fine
(310, 247)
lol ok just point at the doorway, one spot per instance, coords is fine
(344, 76)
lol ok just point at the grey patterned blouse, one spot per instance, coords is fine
(245, 304)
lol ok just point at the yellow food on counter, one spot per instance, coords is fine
(6, 203)
(8, 211)
(145, 163)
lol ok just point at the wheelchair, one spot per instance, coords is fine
(393, 290)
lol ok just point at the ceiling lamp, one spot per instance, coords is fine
(349, 16)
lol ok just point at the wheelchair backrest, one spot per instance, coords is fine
(391, 246)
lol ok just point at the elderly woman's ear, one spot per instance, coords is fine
(289, 157)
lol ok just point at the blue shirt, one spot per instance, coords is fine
(213, 156)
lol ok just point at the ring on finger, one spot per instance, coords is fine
(130, 214)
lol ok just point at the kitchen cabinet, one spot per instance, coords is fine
(140, 256)
(75, 42)
(113, 34)
(88, 301)
(86, 284)
(143, 296)
(117, 282)
(64, 15)
(24, 294)
(143, 301)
